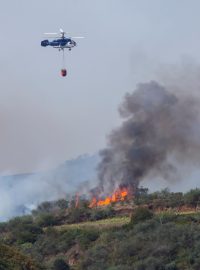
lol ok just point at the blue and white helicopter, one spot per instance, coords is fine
(61, 42)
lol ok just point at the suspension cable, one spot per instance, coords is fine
(63, 59)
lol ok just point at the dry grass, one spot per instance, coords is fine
(112, 222)
(103, 223)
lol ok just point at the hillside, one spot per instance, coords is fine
(160, 231)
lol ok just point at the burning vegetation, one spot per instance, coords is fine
(120, 194)
(159, 134)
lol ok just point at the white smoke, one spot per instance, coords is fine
(22, 193)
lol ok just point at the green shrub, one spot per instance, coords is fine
(141, 214)
(12, 259)
(47, 219)
(171, 266)
(3, 227)
(78, 215)
(60, 264)
(120, 267)
(22, 230)
(87, 236)
(97, 214)
(95, 258)
(27, 235)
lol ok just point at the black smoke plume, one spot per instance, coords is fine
(161, 128)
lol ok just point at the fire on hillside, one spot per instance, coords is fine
(122, 193)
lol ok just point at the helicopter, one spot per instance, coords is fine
(61, 42)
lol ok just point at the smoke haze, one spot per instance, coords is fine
(158, 140)
(160, 131)
(22, 193)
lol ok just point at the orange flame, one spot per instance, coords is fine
(119, 195)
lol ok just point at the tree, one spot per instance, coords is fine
(192, 197)
(60, 264)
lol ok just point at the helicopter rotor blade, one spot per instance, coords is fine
(77, 37)
(51, 33)
(52, 37)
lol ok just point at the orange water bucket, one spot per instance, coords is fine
(63, 72)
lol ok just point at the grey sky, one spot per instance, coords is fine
(46, 119)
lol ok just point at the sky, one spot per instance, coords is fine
(46, 119)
